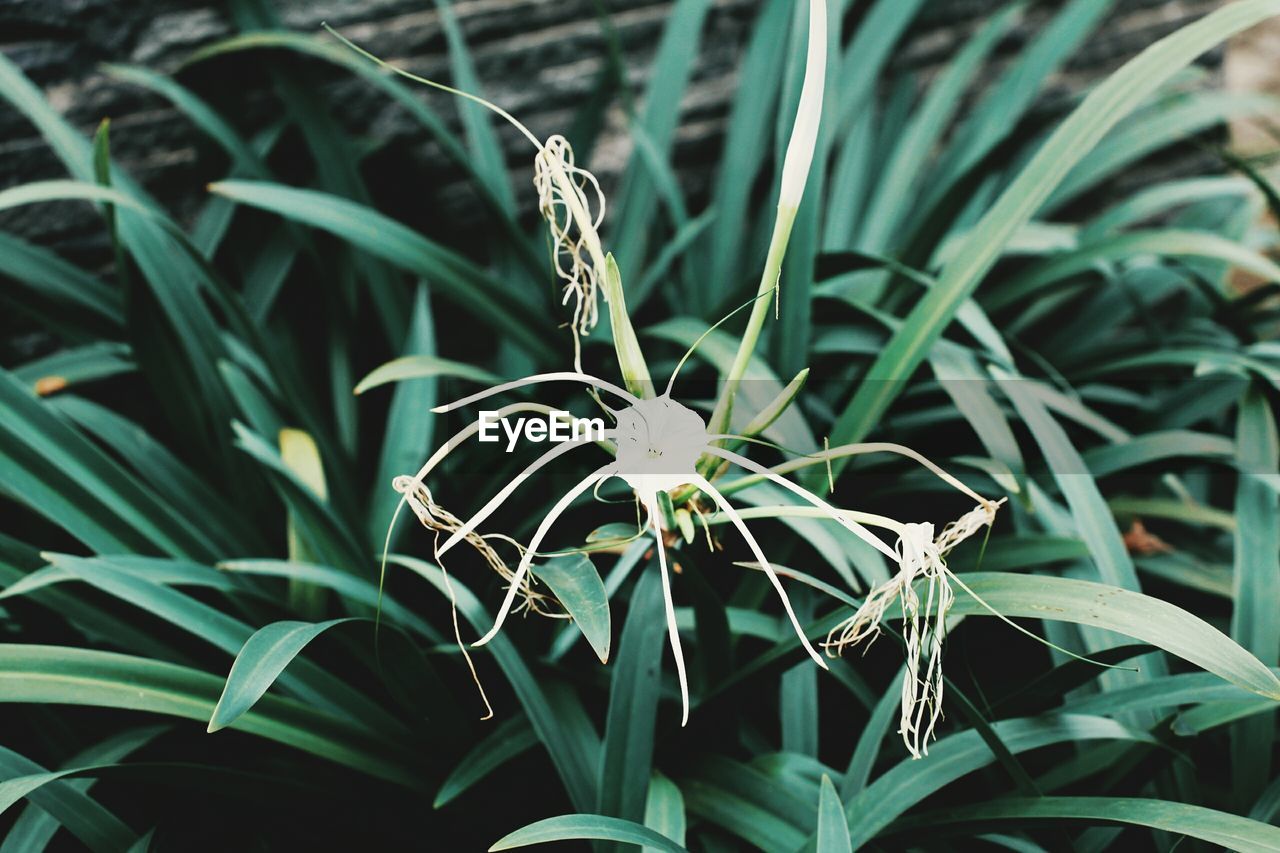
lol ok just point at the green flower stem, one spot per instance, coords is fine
(751, 335)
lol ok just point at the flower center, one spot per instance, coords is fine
(659, 442)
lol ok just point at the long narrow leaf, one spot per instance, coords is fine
(456, 278)
(1220, 828)
(1070, 142)
(68, 676)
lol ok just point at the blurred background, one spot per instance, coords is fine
(543, 60)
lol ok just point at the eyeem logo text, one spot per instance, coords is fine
(556, 427)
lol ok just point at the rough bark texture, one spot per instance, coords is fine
(539, 58)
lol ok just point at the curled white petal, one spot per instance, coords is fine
(921, 568)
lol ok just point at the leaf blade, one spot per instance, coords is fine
(1069, 144)
(575, 827)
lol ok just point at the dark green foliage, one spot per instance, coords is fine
(169, 555)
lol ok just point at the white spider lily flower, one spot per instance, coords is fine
(660, 444)
(922, 568)
(657, 443)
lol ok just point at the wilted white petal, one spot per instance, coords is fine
(924, 623)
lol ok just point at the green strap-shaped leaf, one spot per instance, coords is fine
(747, 138)
(70, 806)
(1166, 691)
(47, 275)
(301, 457)
(910, 781)
(750, 803)
(574, 827)
(1254, 622)
(143, 844)
(1151, 201)
(1142, 617)
(357, 589)
(672, 69)
(407, 98)
(577, 586)
(1153, 447)
(1104, 107)
(70, 676)
(833, 830)
(245, 160)
(512, 737)
(899, 182)
(486, 150)
(664, 810)
(407, 437)
(1171, 242)
(422, 366)
(63, 475)
(1006, 102)
(311, 517)
(209, 514)
(264, 656)
(574, 762)
(309, 681)
(798, 705)
(33, 829)
(1094, 521)
(1267, 808)
(870, 738)
(633, 704)
(1165, 123)
(452, 275)
(1226, 830)
(174, 277)
(97, 622)
(1202, 718)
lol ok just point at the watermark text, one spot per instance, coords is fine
(556, 427)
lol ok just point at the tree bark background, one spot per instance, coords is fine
(540, 59)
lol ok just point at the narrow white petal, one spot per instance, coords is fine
(705, 485)
(651, 506)
(852, 526)
(498, 499)
(550, 519)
